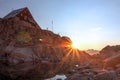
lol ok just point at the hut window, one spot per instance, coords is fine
(25, 11)
(21, 14)
(25, 17)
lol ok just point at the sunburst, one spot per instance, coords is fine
(71, 56)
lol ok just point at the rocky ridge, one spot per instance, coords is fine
(28, 49)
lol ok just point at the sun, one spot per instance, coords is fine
(75, 46)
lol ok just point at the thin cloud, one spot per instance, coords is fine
(96, 29)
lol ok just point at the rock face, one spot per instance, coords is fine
(110, 56)
(112, 61)
(109, 51)
(27, 51)
(19, 38)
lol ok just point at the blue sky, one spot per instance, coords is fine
(89, 23)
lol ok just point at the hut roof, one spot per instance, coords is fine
(14, 13)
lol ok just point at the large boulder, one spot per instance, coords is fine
(24, 54)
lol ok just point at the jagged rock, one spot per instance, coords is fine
(112, 61)
(108, 57)
(109, 51)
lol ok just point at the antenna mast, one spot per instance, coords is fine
(12, 9)
(52, 25)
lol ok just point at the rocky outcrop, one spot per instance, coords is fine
(112, 61)
(25, 48)
(109, 51)
(27, 51)
(110, 55)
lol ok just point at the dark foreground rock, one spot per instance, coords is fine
(81, 73)
(27, 71)
(107, 75)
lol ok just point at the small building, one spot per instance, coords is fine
(22, 14)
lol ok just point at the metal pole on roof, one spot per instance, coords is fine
(12, 9)
(52, 25)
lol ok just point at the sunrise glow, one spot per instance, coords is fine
(75, 46)
(93, 24)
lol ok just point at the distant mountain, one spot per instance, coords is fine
(92, 51)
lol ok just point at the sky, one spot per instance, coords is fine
(91, 24)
